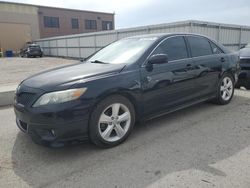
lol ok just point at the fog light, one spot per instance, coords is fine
(53, 133)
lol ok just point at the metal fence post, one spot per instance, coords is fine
(117, 35)
(49, 47)
(95, 42)
(67, 51)
(219, 30)
(57, 53)
(240, 36)
(191, 27)
(79, 46)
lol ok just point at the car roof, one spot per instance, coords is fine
(33, 45)
(163, 35)
(160, 36)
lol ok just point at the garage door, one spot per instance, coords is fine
(14, 36)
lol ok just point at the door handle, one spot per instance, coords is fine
(189, 66)
(222, 59)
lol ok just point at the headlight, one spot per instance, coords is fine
(59, 97)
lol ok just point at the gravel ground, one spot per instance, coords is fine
(14, 70)
(202, 146)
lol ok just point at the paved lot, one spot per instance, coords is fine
(14, 70)
(202, 146)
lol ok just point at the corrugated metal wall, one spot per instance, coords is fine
(83, 45)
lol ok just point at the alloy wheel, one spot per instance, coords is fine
(226, 89)
(114, 122)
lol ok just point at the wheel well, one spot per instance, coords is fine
(123, 94)
(228, 72)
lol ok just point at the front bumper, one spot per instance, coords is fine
(34, 53)
(55, 124)
(244, 76)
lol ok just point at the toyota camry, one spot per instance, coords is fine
(132, 79)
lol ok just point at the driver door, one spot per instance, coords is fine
(170, 84)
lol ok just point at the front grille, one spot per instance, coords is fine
(25, 98)
(243, 61)
(37, 48)
(245, 68)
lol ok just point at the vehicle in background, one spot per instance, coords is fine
(31, 50)
(136, 78)
(244, 76)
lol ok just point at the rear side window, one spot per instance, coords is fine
(199, 46)
(174, 47)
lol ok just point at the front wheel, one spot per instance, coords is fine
(111, 121)
(248, 85)
(225, 90)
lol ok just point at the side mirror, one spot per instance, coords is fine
(158, 59)
(243, 46)
(82, 59)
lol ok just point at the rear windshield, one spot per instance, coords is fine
(34, 47)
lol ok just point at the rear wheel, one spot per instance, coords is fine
(225, 90)
(111, 121)
(248, 86)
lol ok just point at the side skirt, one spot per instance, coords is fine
(179, 108)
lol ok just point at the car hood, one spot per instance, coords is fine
(245, 52)
(53, 78)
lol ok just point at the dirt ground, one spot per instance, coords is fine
(14, 70)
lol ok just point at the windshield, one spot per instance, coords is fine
(123, 51)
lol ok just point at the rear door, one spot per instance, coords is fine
(170, 84)
(207, 59)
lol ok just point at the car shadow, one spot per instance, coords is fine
(187, 139)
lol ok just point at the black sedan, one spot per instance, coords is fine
(244, 77)
(137, 78)
(31, 50)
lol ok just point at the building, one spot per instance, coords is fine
(21, 23)
(83, 45)
(58, 21)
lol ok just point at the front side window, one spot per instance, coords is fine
(74, 23)
(90, 24)
(174, 47)
(215, 48)
(200, 46)
(123, 51)
(51, 22)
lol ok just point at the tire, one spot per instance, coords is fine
(237, 86)
(248, 86)
(225, 90)
(111, 121)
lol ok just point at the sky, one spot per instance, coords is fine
(133, 13)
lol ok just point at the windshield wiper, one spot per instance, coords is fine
(97, 61)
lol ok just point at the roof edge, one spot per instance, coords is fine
(69, 9)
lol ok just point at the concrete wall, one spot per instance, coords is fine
(83, 45)
(65, 16)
